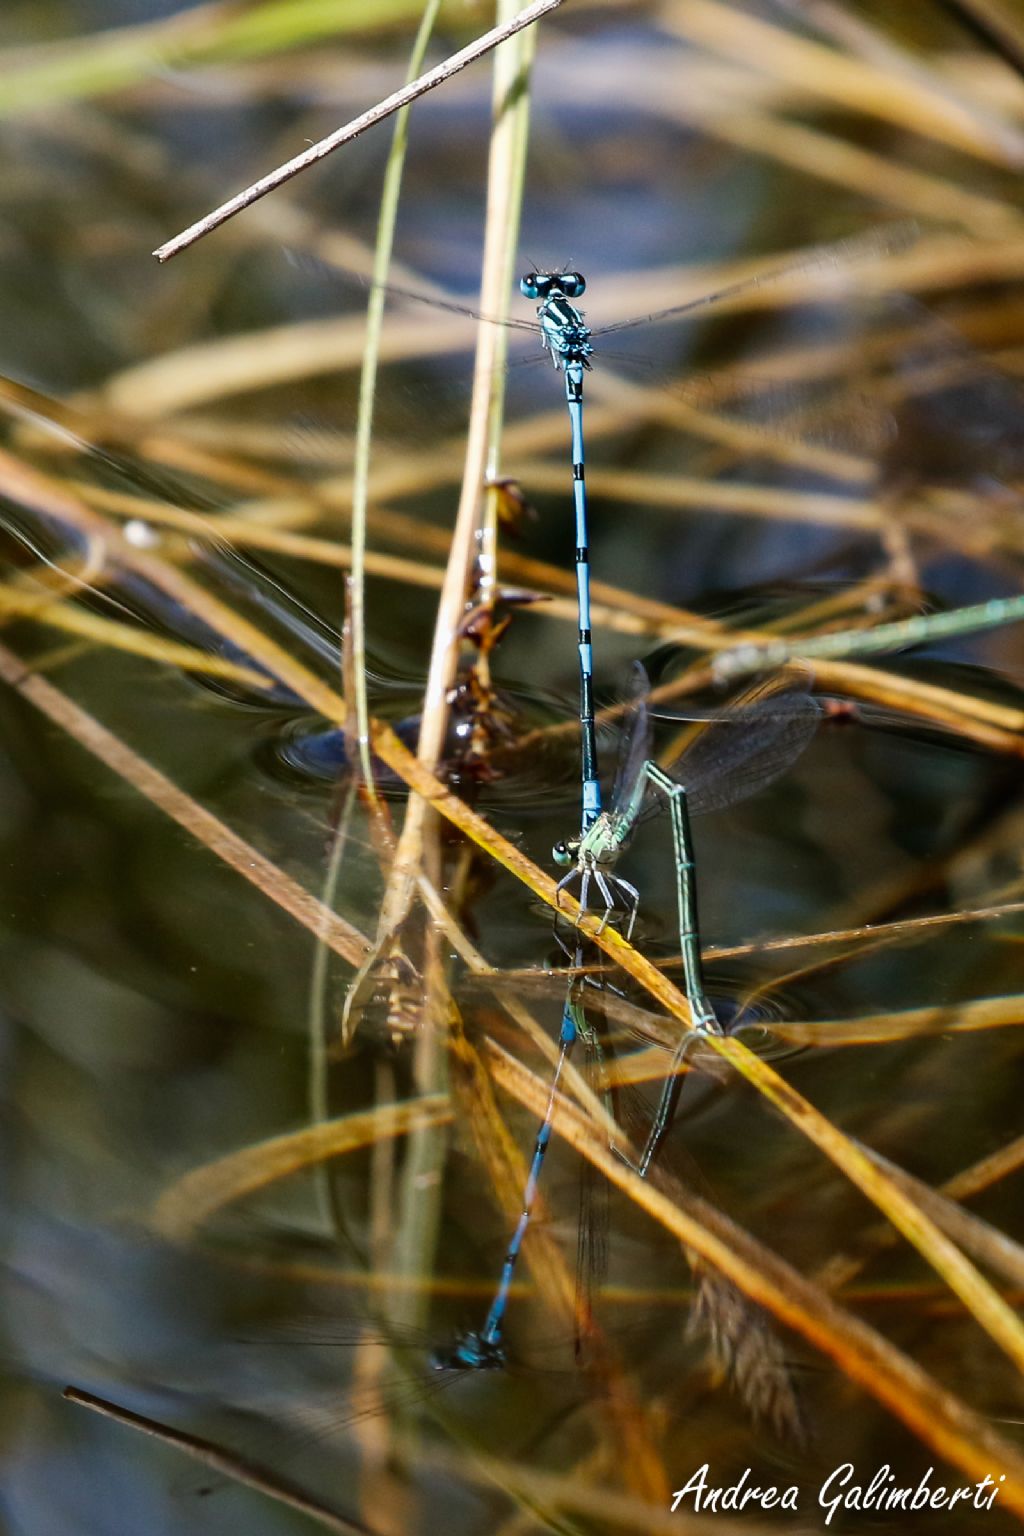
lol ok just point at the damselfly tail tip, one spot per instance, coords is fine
(469, 1352)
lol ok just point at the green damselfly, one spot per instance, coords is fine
(735, 755)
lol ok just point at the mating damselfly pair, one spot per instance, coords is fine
(762, 737)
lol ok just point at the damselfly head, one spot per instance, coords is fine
(566, 852)
(541, 285)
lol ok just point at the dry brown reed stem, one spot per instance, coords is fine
(935, 1415)
(413, 473)
(685, 491)
(506, 147)
(191, 1200)
(867, 932)
(558, 1498)
(1001, 20)
(984, 1303)
(996, 726)
(857, 36)
(826, 157)
(203, 372)
(999, 727)
(701, 493)
(874, 1029)
(41, 494)
(982, 1175)
(393, 103)
(219, 839)
(71, 620)
(249, 533)
(979, 1238)
(79, 431)
(237, 529)
(506, 181)
(917, 104)
(238, 1468)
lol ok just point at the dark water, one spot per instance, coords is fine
(155, 1009)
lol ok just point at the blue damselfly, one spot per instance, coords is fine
(568, 341)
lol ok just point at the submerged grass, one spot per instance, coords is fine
(833, 103)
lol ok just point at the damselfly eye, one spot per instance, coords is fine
(535, 285)
(562, 855)
(572, 284)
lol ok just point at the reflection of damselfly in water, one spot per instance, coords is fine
(732, 758)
